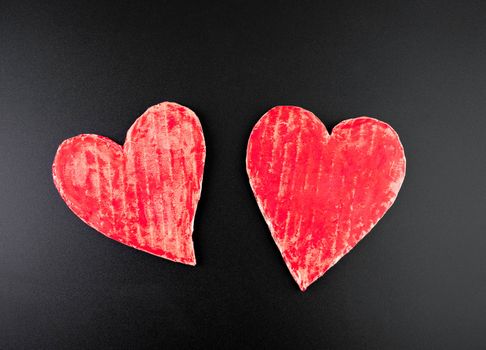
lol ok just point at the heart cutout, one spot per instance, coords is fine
(143, 194)
(320, 194)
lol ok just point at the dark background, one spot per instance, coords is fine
(418, 281)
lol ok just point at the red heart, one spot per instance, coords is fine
(145, 193)
(320, 194)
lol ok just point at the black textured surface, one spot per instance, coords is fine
(417, 281)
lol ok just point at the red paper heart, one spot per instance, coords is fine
(145, 193)
(320, 194)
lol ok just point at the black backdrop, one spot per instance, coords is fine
(417, 281)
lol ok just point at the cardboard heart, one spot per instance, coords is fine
(145, 193)
(320, 194)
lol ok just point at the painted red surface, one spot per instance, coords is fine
(145, 193)
(320, 194)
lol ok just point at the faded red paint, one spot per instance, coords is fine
(320, 194)
(145, 193)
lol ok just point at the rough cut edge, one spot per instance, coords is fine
(303, 286)
(57, 181)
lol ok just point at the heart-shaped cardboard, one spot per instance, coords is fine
(320, 194)
(145, 193)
